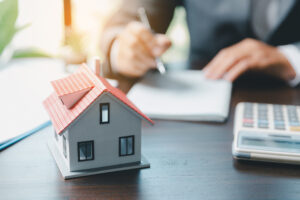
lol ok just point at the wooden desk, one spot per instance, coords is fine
(188, 161)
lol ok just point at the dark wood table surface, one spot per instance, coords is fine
(189, 160)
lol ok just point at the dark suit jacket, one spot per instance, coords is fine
(213, 25)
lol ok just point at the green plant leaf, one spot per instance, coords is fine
(20, 28)
(8, 17)
(30, 53)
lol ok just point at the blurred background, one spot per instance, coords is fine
(69, 29)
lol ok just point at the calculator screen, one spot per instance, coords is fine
(278, 144)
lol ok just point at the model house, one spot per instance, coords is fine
(96, 128)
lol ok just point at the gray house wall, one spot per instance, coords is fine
(59, 143)
(123, 122)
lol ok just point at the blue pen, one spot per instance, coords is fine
(24, 135)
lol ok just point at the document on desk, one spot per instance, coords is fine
(24, 83)
(182, 95)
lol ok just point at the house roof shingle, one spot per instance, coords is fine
(73, 83)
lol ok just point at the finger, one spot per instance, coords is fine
(144, 41)
(225, 59)
(214, 65)
(156, 44)
(148, 61)
(134, 45)
(143, 33)
(140, 68)
(141, 53)
(139, 64)
(239, 69)
(136, 67)
(223, 62)
(162, 44)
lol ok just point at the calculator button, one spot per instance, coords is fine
(248, 121)
(294, 124)
(293, 120)
(262, 122)
(280, 127)
(292, 114)
(248, 110)
(262, 115)
(263, 126)
(295, 128)
(247, 104)
(263, 118)
(248, 116)
(279, 122)
(278, 113)
(279, 118)
(249, 125)
(290, 107)
(262, 106)
(248, 113)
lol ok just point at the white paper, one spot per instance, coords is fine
(24, 84)
(182, 95)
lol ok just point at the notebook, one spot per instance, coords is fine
(182, 95)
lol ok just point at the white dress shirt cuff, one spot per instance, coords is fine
(113, 56)
(292, 53)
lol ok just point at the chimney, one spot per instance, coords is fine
(98, 68)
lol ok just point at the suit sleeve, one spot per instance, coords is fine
(159, 12)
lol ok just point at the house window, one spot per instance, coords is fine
(85, 150)
(104, 113)
(126, 146)
(65, 146)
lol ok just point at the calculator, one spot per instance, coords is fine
(267, 132)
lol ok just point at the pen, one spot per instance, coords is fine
(143, 16)
(24, 135)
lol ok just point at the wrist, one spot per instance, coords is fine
(292, 56)
(288, 73)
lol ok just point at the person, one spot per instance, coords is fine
(228, 37)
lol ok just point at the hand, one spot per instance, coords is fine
(249, 54)
(137, 49)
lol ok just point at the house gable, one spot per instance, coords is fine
(104, 136)
(97, 104)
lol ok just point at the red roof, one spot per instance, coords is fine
(71, 84)
(72, 88)
(62, 117)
